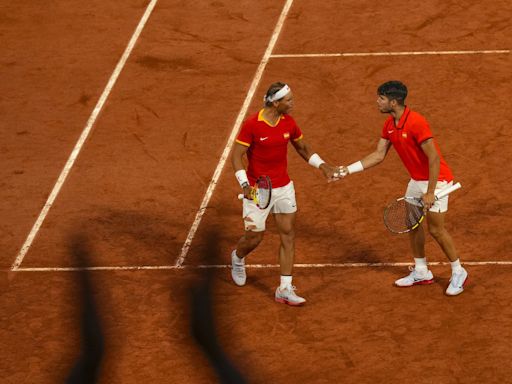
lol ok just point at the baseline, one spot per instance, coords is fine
(252, 266)
(410, 53)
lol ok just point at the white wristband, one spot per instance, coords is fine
(241, 176)
(315, 160)
(355, 167)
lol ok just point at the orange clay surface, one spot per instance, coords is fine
(142, 174)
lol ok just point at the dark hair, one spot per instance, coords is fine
(273, 89)
(393, 90)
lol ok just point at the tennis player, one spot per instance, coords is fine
(264, 138)
(410, 135)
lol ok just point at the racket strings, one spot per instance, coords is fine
(263, 192)
(403, 215)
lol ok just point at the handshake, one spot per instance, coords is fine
(334, 173)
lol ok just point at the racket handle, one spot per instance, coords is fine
(240, 196)
(447, 191)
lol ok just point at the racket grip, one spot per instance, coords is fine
(240, 196)
(447, 191)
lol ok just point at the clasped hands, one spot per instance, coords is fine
(334, 173)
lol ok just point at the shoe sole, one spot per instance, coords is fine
(422, 282)
(462, 289)
(284, 301)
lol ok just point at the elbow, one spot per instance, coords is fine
(435, 160)
(235, 162)
(379, 158)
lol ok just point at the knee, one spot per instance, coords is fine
(287, 230)
(436, 232)
(288, 236)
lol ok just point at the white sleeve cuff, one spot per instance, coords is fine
(241, 176)
(315, 160)
(355, 167)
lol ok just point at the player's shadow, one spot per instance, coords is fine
(263, 280)
(87, 368)
(352, 252)
(203, 323)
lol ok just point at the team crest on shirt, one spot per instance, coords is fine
(404, 135)
(286, 135)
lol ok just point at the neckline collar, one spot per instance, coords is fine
(403, 118)
(262, 118)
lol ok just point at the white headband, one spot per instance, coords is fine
(278, 95)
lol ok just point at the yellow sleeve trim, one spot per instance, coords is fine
(299, 138)
(243, 143)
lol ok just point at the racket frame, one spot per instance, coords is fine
(408, 229)
(254, 192)
(439, 195)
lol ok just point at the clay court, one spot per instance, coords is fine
(116, 122)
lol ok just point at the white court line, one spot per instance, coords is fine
(85, 133)
(234, 132)
(413, 53)
(252, 266)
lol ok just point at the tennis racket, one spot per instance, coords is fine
(261, 193)
(406, 213)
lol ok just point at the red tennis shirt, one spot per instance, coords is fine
(268, 147)
(407, 137)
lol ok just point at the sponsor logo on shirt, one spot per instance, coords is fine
(404, 135)
(263, 138)
(286, 135)
(389, 132)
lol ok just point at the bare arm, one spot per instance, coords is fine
(377, 156)
(371, 160)
(237, 156)
(306, 152)
(237, 161)
(302, 149)
(434, 162)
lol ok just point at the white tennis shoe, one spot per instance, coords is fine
(415, 278)
(457, 282)
(288, 296)
(238, 270)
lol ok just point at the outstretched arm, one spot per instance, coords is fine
(371, 160)
(313, 159)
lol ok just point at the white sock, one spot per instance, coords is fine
(237, 260)
(456, 267)
(286, 282)
(420, 264)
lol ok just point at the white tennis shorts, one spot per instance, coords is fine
(417, 188)
(282, 201)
